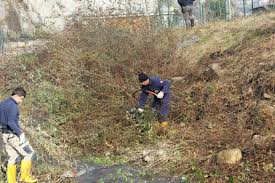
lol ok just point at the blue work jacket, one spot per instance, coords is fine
(9, 116)
(154, 87)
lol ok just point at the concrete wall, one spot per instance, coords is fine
(26, 15)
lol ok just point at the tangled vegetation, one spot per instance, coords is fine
(82, 82)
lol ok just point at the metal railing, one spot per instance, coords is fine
(168, 14)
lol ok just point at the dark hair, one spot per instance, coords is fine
(142, 77)
(19, 91)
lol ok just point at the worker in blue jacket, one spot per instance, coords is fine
(160, 89)
(15, 142)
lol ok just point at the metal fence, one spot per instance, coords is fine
(209, 10)
(168, 14)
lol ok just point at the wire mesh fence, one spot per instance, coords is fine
(167, 13)
(209, 10)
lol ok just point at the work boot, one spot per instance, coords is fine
(192, 22)
(11, 173)
(154, 110)
(26, 172)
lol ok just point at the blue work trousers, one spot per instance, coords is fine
(162, 105)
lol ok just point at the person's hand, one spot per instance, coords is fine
(160, 95)
(22, 138)
(140, 110)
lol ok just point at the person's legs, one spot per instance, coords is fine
(11, 173)
(27, 152)
(14, 142)
(26, 171)
(186, 17)
(190, 11)
(13, 157)
(156, 104)
(163, 115)
(164, 108)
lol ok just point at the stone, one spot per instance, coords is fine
(268, 167)
(177, 78)
(250, 91)
(229, 156)
(216, 68)
(258, 140)
(208, 74)
(267, 96)
(266, 110)
(152, 155)
(148, 156)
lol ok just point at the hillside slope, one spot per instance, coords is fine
(81, 86)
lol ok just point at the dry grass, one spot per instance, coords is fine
(81, 86)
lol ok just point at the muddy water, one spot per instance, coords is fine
(122, 174)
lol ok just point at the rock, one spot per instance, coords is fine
(150, 156)
(258, 140)
(208, 74)
(259, 10)
(216, 68)
(177, 78)
(267, 111)
(267, 96)
(250, 91)
(107, 153)
(229, 156)
(210, 126)
(268, 167)
(147, 156)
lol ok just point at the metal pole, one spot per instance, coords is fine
(220, 9)
(201, 10)
(244, 14)
(168, 7)
(228, 9)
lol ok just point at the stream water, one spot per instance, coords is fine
(124, 173)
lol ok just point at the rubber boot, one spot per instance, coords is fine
(192, 22)
(26, 172)
(11, 173)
